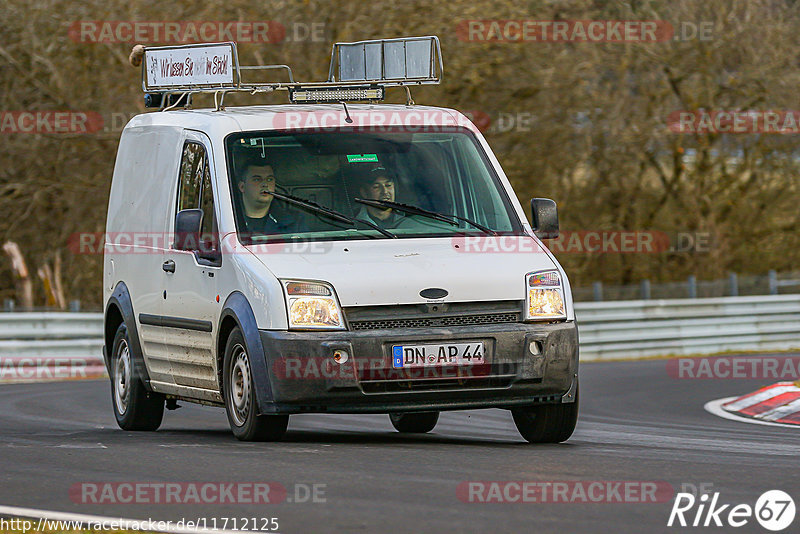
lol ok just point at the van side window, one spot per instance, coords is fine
(195, 191)
(193, 165)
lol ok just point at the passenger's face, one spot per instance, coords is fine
(381, 189)
(258, 183)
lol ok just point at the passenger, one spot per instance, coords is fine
(262, 215)
(378, 183)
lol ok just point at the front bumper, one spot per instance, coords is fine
(525, 364)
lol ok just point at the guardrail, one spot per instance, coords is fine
(608, 330)
(51, 334)
(640, 328)
(54, 325)
(50, 345)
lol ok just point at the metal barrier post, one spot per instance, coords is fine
(733, 283)
(597, 289)
(773, 282)
(692, 286)
(645, 289)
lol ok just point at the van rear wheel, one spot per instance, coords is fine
(240, 399)
(135, 408)
(547, 423)
(414, 423)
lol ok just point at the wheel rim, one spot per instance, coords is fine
(122, 377)
(239, 390)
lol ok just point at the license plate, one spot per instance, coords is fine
(404, 356)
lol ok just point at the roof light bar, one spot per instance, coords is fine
(335, 94)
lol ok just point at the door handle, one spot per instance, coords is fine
(168, 266)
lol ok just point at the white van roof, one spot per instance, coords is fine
(218, 124)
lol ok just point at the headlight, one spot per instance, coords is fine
(545, 296)
(312, 305)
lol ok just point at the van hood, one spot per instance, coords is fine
(394, 271)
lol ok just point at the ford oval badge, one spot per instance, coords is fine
(433, 293)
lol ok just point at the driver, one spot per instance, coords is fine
(261, 214)
(378, 183)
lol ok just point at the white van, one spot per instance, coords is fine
(327, 256)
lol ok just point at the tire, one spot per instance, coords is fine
(547, 423)
(135, 408)
(240, 400)
(414, 423)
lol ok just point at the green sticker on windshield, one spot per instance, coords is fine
(362, 158)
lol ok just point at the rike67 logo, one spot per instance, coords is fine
(774, 510)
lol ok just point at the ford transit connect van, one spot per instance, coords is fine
(334, 255)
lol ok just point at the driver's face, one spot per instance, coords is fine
(381, 189)
(258, 183)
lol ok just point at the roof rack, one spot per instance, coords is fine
(171, 74)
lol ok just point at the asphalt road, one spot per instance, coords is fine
(636, 424)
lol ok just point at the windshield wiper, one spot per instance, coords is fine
(416, 210)
(329, 212)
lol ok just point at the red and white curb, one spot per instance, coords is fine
(776, 405)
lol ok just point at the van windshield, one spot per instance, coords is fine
(370, 184)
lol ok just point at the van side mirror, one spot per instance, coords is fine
(187, 229)
(544, 218)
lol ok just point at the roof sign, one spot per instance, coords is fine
(212, 65)
(407, 59)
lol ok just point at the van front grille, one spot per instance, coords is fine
(438, 315)
(436, 322)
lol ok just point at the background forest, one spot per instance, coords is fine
(586, 124)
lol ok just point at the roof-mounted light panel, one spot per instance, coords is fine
(408, 60)
(359, 71)
(321, 95)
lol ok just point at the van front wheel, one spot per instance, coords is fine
(135, 408)
(414, 423)
(547, 423)
(240, 399)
